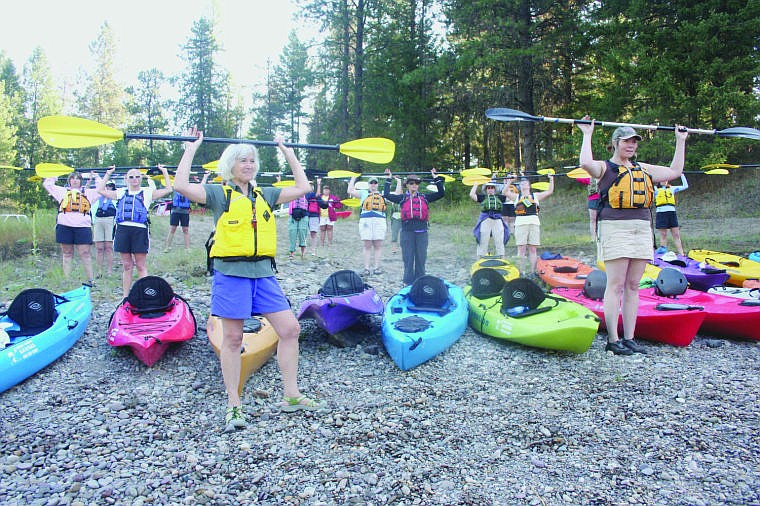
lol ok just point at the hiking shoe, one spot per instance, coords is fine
(618, 348)
(234, 419)
(633, 346)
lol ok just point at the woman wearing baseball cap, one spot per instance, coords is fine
(624, 236)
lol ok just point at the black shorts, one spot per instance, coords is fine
(508, 209)
(179, 219)
(73, 235)
(131, 239)
(593, 204)
(665, 219)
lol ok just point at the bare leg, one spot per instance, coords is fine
(676, 233)
(663, 237)
(186, 236)
(84, 254)
(141, 264)
(229, 358)
(67, 254)
(288, 328)
(367, 253)
(378, 248)
(126, 274)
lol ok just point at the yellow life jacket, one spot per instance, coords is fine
(526, 206)
(374, 202)
(665, 197)
(246, 230)
(74, 202)
(631, 189)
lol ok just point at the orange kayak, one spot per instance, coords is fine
(566, 271)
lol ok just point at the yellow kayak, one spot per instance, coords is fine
(650, 272)
(739, 269)
(508, 270)
(259, 344)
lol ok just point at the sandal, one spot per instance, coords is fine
(292, 404)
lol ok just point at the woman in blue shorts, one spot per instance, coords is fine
(244, 282)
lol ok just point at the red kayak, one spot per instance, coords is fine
(150, 319)
(724, 316)
(659, 319)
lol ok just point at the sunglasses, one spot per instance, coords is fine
(412, 182)
(134, 177)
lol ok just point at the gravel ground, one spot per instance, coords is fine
(486, 422)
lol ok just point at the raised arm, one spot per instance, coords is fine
(594, 168)
(101, 184)
(193, 191)
(542, 195)
(167, 189)
(351, 190)
(474, 192)
(507, 191)
(661, 173)
(302, 182)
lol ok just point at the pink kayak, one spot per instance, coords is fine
(658, 319)
(150, 319)
(724, 316)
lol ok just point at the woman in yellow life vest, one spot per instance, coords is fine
(243, 255)
(527, 223)
(665, 213)
(624, 235)
(373, 223)
(73, 229)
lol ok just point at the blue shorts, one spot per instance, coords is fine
(239, 298)
(73, 235)
(128, 239)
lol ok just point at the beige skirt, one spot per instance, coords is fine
(625, 239)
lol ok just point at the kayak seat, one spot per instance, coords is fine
(677, 262)
(670, 283)
(712, 270)
(150, 297)
(521, 293)
(486, 283)
(429, 293)
(493, 263)
(342, 283)
(565, 269)
(595, 285)
(34, 311)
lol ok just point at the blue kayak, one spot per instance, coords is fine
(755, 256)
(24, 355)
(423, 320)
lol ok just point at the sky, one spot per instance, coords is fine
(149, 34)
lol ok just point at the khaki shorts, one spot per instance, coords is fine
(325, 221)
(373, 228)
(624, 239)
(102, 229)
(528, 233)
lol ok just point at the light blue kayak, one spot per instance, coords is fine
(755, 256)
(414, 333)
(26, 355)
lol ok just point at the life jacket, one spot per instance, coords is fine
(132, 208)
(374, 202)
(247, 229)
(631, 189)
(74, 202)
(491, 203)
(526, 206)
(414, 207)
(180, 201)
(665, 197)
(313, 205)
(102, 211)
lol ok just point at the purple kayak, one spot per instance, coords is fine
(340, 302)
(699, 275)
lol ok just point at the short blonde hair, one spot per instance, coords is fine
(232, 154)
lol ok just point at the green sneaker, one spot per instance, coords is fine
(234, 419)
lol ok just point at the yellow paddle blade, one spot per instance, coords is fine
(52, 170)
(719, 166)
(371, 149)
(716, 172)
(577, 173)
(10, 167)
(337, 174)
(70, 132)
(477, 171)
(448, 178)
(351, 202)
(540, 186)
(284, 184)
(211, 165)
(34, 179)
(217, 179)
(160, 178)
(545, 172)
(471, 180)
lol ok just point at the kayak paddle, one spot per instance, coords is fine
(72, 132)
(503, 114)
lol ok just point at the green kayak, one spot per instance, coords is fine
(554, 323)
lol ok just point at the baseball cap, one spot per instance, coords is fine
(373, 180)
(489, 183)
(413, 178)
(624, 132)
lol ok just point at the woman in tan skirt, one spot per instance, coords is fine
(624, 236)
